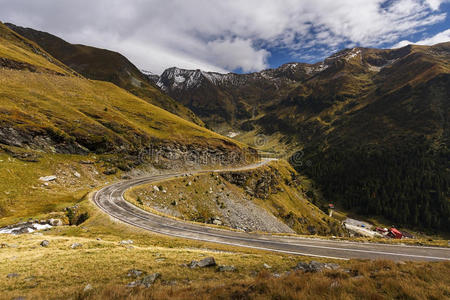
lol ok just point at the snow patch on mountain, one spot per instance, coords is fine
(355, 52)
(179, 79)
(148, 73)
(317, 68)
(346, 54)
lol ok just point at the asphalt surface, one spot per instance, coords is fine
(110, 200)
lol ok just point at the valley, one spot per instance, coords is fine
(334, 120)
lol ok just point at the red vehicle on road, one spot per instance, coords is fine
(395, 233)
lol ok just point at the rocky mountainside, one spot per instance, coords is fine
(105, 65)
(272, 198)
(371, 124)
(225, 101)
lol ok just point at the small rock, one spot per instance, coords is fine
(126, 242)
(266, 266)
(76, 174)
(155, 188)
(217, 221)
(44, 243)
(206, 262)
(12, 275)
(312, 229)
(189, 183)
(110, 171)
(88, 288)
(226, 269)
(76, 245)
(133, 284)
(315, 266)
(148, 280)
(30, 279)
(55, 222)
(48, 178)
(135, 273)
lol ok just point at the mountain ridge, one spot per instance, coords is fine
(105, 65)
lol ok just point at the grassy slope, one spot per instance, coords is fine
(23, 195)
(106, 65)
(15, 47)
(83, 108)
(69, 109)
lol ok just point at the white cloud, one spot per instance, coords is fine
(435, 4)
(441, 37)
(237, 53)
(223, 35)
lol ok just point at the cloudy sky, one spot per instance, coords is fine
(234, 35)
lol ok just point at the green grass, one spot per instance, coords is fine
(24, 196)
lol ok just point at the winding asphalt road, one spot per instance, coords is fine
(110, 199)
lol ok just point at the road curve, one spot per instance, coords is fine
(110, 199)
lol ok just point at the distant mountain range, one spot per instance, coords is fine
(372, 123)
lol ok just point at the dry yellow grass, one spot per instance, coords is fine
(23, 195)
(364, 280)
(58, 271)
(81, 107)
(17, 48)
